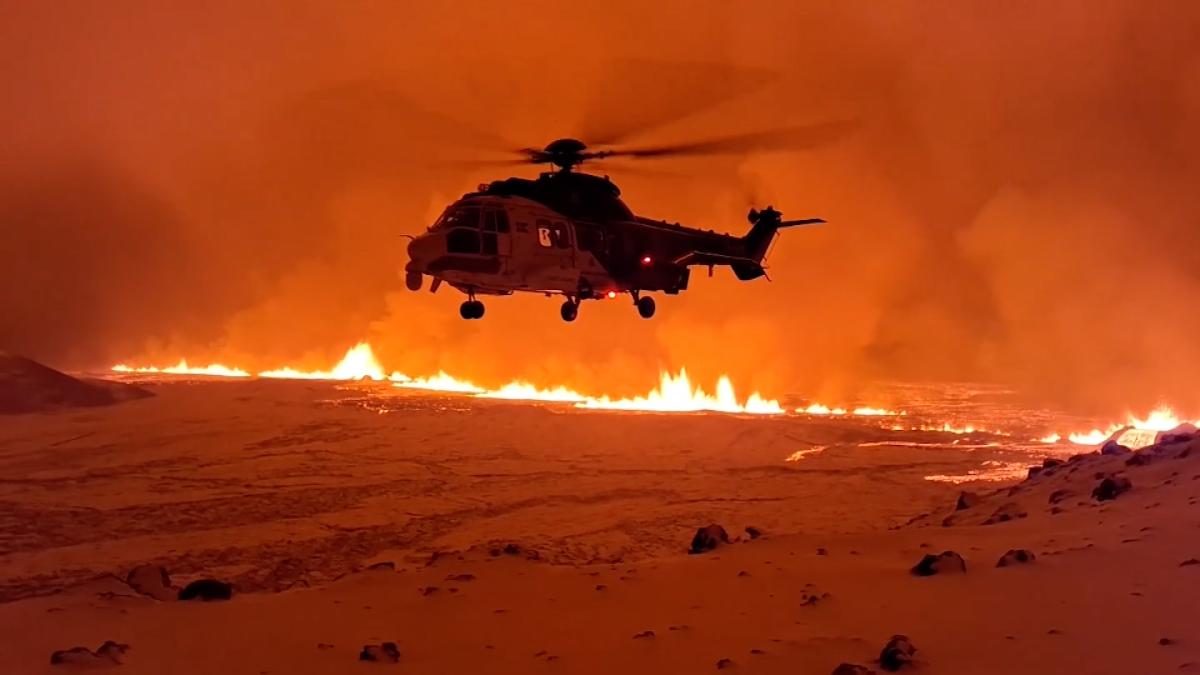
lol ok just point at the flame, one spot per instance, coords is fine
(676, 394)
(1159, 419)
(524, 391)
(359, 363)
(441, 382)
(182, 368)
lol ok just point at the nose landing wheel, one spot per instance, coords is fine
(471, 309)
(413, 281)
(645, 306)
(569, 310)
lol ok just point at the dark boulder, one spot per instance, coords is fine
(966, 500)
(1059, 495)
(152, 581)
(946, 562)
(1007, 512)
(897, 653)
(1111, 448)
(109, 653)
(207, 590)
(753, 532)
(1111, 487)
(1016, 556)
(387, 652)
(1050, 463)
(852, 669)
(708, 538)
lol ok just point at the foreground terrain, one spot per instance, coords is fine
(514, 538)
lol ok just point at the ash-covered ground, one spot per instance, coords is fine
(279, 483)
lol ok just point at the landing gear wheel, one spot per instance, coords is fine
(645, 306)
(471, 309)
(569, 310)
(413, 281)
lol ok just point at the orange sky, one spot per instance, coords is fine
(224, 181)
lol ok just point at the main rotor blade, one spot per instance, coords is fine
(787, 138)
(636, 96)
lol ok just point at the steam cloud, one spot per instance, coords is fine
(1019, 204)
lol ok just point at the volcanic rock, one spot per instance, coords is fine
(1111, 487)
(852, 669)
(152, 581)
(897, 653)
(1034, 472)
(1016, 556)
(387, 652)
(1050, 463)
(1181, 434)
(753, 532)
(109, 653)
(724, 663)
(644, 635)
(207, 590)
(965, 501)
(27, 386)
(708, 538)
(1059, 495)
(1112, 447)
(1007, 512)
(384, 566)
(946, 562)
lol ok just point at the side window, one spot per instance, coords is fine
(561, 238)
(589, 238)
(502, 221)
(489, 221)
(544, 235)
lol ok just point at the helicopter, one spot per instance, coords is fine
(569, 233)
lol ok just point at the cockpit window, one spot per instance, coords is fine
(458, 216)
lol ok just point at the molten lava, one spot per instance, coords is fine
(677, 394)
(359, 363)
(182, 368)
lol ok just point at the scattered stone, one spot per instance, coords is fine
(1054, 631)
(821, 551)
(1189, 562)
(109, 653)
(1059, 495)
(852, 669)
(427, 590)
(207, 590)
(644, 635)
(682, 626)
(743, 573)
(460, 577)
(385, 566)
(1140, 458)
(1016, 556)
(897, 653)
(724, 663)
(601, 587)
(753, 532)
(1111, 487)
(946, 562)
(1007, 512)
(708, 538)
(152, 581)
(1166, 641)
(324, 645)
(757, 651)
(1051, 462)
(1111, 448)
(387, 652)
(965, 501)
(810, 598)
(1033, 472)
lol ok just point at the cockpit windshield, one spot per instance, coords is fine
(458, 216)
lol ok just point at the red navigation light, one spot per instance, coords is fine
(645, 260)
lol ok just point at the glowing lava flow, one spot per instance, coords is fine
(818, 409)
(359, 363)
(182, 368)
(441, 382)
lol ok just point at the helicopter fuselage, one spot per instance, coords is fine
(569, 234)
